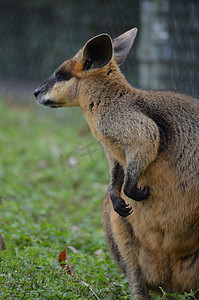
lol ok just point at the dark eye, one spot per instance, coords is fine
(88, 63)
(59, 77)
(63, 76)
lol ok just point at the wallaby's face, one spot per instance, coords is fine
(63, 87)
(60, 88)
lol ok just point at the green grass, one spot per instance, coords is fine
(51, 193)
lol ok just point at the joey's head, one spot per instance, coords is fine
(64, 87)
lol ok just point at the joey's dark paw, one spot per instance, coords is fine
(121, 207)
(137, 194)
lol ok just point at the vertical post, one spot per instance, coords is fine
(153, 43)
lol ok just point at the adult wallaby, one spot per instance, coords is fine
(151, 139)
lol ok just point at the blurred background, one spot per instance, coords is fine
(53, 173)
(36, 36)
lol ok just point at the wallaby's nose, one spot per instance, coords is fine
(36, 92)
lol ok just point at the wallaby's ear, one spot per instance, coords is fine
(97, 52)
(122, 45)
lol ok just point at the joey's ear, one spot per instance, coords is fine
(97, 52)
(122, 45)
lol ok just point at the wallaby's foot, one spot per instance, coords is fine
(137, 194)
(120, 206)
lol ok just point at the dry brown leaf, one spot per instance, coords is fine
(63, 257)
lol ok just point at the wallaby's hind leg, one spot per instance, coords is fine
(123, 246)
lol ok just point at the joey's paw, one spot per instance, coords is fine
(137, 194)
(121, 207)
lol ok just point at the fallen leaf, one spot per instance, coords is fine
(63, 257)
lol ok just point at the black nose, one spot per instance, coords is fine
(36, 92)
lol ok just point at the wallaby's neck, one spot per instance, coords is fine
(104, 88)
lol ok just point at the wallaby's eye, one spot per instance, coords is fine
(63, 76)
(59, 77)
(88, 63)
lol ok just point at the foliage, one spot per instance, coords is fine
(53, 178)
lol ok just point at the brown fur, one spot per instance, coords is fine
(154, 137)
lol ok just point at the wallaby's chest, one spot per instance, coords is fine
(99, 127)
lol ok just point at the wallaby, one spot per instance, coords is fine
(151, 139)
